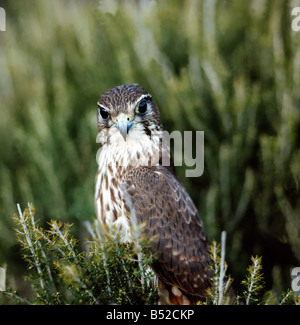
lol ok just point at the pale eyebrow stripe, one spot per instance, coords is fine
(143, 96)
(105, 107)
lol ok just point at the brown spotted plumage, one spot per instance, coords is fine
(130, 169)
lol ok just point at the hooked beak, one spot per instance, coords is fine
(123, 127)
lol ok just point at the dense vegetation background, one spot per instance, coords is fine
(228, 68)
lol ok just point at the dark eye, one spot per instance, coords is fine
(103, 113)
(142, 108)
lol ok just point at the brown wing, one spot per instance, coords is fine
(163, 204)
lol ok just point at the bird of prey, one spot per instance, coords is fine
(130, 166)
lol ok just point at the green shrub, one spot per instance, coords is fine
(111, 272)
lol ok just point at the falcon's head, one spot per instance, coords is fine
(125, 113)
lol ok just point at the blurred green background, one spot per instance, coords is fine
(230, 68)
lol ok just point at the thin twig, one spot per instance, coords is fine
(256, 267)
(62, 236)
(40, 247)
(104, 256)
(286, 297)
(26, 233)
(222, 266)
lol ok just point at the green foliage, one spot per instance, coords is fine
(228, 68)
(106, 272)
(254, 292)
(254, 281)
(109, 271)
(219, 292)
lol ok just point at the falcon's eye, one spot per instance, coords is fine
(142, 107)
(103, 113)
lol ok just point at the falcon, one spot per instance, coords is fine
(131, 177)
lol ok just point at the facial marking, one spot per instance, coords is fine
(123, 109)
